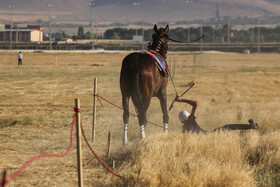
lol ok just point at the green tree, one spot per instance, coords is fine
(116, 36)
(87, 35)
(81, 34)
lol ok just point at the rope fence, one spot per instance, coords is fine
(99, 97)
(102, 163)
(41, 156)
(79, 126)
(77, 110)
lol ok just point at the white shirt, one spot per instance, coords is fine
(20, 56)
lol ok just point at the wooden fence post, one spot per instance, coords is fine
(79, 145)
(108, 144)
(5, 177)
(94, 109)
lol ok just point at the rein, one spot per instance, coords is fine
(165, 38)
(184, 42)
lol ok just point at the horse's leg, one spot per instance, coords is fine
(163, 103)
(125, 103)
(141, 108)
(142, 122)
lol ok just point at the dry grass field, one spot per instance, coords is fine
(36, 112)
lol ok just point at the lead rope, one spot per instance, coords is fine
(168, 67)
(165, 51)
(171, 78)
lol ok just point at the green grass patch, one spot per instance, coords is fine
(267, 177)
(7, 122)
(10, 121)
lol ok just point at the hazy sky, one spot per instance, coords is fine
(131, 10)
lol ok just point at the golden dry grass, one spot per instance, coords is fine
(213, 159)
(36, 110)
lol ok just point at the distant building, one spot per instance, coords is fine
(69, 40)
(30, 33)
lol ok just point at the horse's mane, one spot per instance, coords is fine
(157, 43)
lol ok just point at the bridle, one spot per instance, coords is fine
(162, 42)
(159, 43)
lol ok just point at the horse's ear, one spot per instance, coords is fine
(166, 29)
(156, 29)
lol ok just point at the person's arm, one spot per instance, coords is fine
(190, 102)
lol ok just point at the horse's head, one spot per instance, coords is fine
(160, 39)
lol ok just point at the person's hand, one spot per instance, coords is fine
(178, 98)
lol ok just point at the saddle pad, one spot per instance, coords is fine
(160, 62)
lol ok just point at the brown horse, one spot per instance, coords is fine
(141, 80)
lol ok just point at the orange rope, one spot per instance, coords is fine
(40, 156)
(62, 155)
(122, 109)
(97, 155)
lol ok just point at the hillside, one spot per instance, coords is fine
(124, 11)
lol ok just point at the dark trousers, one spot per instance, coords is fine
(20, 62)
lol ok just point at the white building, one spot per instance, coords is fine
(31, 33)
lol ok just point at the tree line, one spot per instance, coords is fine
(211, 34)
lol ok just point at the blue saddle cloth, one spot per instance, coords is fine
(160, 62)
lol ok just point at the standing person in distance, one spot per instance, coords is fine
(20, 56)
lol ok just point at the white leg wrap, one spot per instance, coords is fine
(142, 129)
(166, 128)
(125, 133)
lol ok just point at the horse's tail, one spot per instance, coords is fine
(134, 82)
(136, 95)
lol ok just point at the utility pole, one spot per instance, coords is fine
(259, 36)
(40, 36)
(253, 24)
(218, 20)
(143, 35)
(201, 40)
(17, 36)
(253, 31)
(96, 30)
(136, 4)
(189, 32)
(228, 32)
(91, 5)
(11, 27)
(50, 26)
